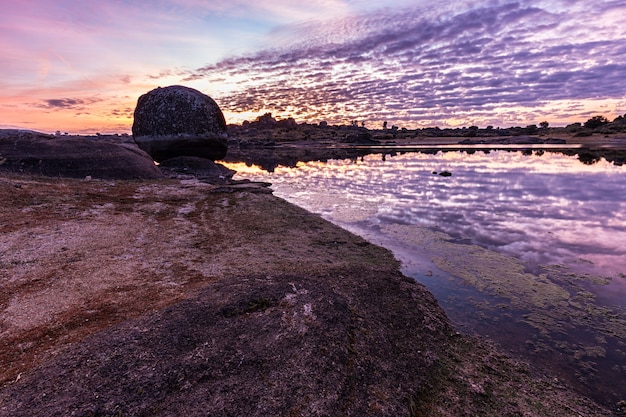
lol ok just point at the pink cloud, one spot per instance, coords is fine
(478, 62)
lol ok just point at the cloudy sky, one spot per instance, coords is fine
(80, 66)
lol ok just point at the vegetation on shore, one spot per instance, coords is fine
(595, 125)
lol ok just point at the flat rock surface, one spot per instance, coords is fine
(171, 297)
(36, 153)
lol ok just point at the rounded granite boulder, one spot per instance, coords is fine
(179, 121)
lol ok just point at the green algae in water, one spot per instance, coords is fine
(572, 332)
(556, 300)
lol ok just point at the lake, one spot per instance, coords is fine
(527, 248)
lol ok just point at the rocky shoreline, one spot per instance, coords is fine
(198, 295)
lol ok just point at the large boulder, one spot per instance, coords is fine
(179, 121)
(35, 153)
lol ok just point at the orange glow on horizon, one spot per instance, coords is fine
(99, 113)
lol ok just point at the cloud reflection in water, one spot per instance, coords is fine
(541, 209)
(545, 210)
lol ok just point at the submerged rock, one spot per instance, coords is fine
(179, 121)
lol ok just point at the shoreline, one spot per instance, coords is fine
(103, 279)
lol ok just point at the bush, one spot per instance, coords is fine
(595, 122)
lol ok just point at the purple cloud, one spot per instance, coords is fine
(63, 103)
(67, 103)
(475, 62)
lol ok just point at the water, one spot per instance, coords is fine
(527, 248)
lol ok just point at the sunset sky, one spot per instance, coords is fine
(79, 66)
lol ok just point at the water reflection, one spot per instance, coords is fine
(529, 249)
(548, 209)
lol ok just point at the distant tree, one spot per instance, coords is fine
(531, 129)
(574, 127)
(384, 125)
(472, 131)
(544, 124)
(595, 121)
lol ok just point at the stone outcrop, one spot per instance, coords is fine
(35, 153)
(179, 121)
(360, 138)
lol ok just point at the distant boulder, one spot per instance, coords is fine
(525, 140)
(35, 153)
(179, 121)
(265, 120)
(360, 138)
(555, 141)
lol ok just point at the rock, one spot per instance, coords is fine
(179, 121)
(514, 140)
(36, 153)
(525, 140)
(198, 167)
(472, 141)
(555, 141)
(265, 121)
(360, 138)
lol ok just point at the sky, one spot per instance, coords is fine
(80, 66)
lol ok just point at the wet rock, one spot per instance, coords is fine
(35, 153)
(197, 167)
(179, 121)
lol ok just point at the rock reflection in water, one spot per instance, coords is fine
(539, 239)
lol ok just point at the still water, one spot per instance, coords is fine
(528, 249)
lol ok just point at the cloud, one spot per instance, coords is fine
(426, 65)
(63, 103)
(67, 103)
(466, 62)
